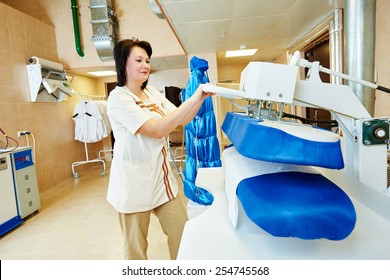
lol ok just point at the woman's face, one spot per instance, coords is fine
(137, 65)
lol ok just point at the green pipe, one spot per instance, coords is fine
(76, 28)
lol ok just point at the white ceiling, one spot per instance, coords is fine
(215, 26)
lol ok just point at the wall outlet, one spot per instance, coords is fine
(22, 132)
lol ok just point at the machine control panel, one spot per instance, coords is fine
(22, 159)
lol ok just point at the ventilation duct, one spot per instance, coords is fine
(104, 27)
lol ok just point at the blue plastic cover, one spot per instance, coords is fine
(274, 145)
(202, 145)
(293, 204)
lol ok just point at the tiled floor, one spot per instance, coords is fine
(76, 222)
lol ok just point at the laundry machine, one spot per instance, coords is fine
(9, 214)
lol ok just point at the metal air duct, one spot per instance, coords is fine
(104, 27)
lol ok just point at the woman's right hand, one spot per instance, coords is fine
(201, 95)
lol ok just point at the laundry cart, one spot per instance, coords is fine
(26, 183)
(9, 216)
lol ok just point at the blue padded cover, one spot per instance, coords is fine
(202, 144)
(274, 145)
(294, 204)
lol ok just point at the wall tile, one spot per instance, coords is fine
(4, 20)
(8, 94)
(50, 123)
(32, 30)
(5, 59)
(5, 44)
(16, 30)
(6, 76)
(26, 112)
(18, 46)
(34, 49)
(10, 113)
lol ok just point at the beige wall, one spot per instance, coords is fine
(174, 77)
(382, 57)
(22, 36)
(139, 22)
(230, 73)
(44, 28)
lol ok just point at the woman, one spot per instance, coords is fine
(141, 179)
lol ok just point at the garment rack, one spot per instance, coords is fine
(174, 95)
(175, 158)
(100, 160)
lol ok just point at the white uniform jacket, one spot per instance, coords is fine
(141, 177)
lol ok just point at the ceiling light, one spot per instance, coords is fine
(243, 51)
(103, 73)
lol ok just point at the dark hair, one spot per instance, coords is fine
(122, 51)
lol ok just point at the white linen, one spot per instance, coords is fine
(91, 122)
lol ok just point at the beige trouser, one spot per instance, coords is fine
(135, 226)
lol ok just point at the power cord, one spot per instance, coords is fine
(6, 141)
(27, 133)
(32, 135)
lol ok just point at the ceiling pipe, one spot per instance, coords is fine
(359, 48)
(76, 27)
(336, 45)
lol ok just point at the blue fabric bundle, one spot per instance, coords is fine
(270, 144)
(202, 145)
(293, 204)
(290, 203)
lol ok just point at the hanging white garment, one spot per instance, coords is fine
(102, 106)
(89, 124)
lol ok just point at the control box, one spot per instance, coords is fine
(26, 183)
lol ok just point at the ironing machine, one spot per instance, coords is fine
(288, 190)
(364, 138)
